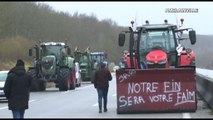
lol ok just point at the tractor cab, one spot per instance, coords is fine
(158, 46)
(99, 57)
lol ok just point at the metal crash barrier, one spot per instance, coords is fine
(205, 88)
(162, 90)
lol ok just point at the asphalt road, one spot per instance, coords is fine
(82, 103)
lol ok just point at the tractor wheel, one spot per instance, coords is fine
(34, 83)
(42, 86)
(64, 79)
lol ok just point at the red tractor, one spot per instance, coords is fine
(159, 75)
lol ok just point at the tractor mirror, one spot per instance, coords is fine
(68, 51)
(192, 37)
(121, 39)
(30, 52)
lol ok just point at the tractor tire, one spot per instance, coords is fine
(42, 85)
(64, 79)
(34, 83)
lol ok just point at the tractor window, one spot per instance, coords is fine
(156, 38)
(53, 50)
(84, 58)
(99, 57)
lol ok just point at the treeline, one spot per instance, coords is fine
(22, 24)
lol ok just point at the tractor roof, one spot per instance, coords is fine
(53, 43)
(97, 53)
(158, 26)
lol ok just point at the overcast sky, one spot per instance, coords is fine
(123, 12)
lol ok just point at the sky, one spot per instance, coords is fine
(201, 19)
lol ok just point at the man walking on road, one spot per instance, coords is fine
(101, 83)
(17, 89)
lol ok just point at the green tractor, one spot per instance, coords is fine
(86, 64)
(52, 63)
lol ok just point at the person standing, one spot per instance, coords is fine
(17, 89)
(101, 83)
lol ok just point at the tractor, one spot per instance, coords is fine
(52, 63)
(99, 57)
(159, 72)
(86, 64)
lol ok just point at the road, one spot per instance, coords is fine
(82, 103)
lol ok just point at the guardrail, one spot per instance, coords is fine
(205, 88)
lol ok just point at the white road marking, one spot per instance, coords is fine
(114, 94)
(32, 100)
(186, 115)
(65, 92)
(3, 108)
(96, 104)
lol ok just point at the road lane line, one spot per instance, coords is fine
(114, 94)
(32, 100)
(65, 92)
(96, 104)
(3, 108)
(186, 115)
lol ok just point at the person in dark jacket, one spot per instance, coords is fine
(17, 89)
(101, 83)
